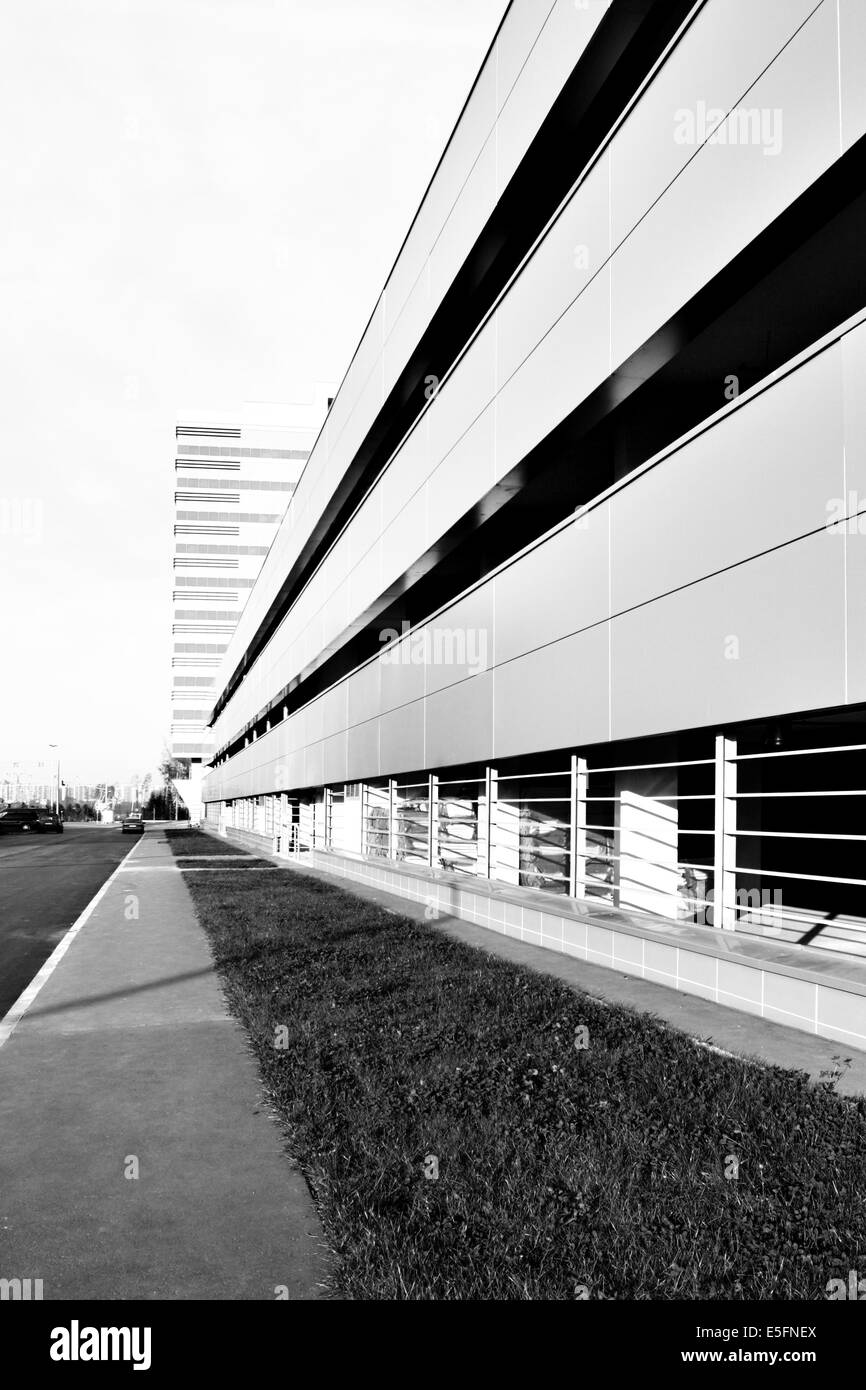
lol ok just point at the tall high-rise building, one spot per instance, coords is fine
(234, 476)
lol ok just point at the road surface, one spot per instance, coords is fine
(46, 881)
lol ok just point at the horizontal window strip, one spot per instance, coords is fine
(221, 549)
(208, 597)
(214, 598)
(190, 713)
(215, 582)
(245, 453)
(216, 630)
(211, 464)
(207, 432)
(207, 530)
(245, 484)
(204, 562)
(203, 647)
(207, 497)
(200, 682)
(272, 517)
(196, 614)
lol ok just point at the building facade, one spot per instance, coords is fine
(564, 629)
(233, 478)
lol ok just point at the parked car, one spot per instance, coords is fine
(132, 824)
(16, 819)
(20, 818)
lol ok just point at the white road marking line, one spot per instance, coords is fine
(11, 1020)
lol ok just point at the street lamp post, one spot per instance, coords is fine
(57, 790)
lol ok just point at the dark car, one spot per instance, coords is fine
(132, 824)
(17, 819)
(48, 821)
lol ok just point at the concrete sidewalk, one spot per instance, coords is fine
(127, 1061)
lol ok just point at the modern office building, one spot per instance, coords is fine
(233, 478)
(564, 630)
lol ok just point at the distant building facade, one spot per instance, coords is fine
(233, 478)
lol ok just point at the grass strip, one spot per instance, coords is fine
(472, 1129)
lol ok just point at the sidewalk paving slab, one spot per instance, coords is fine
(128, 1051)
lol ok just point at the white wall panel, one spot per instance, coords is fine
(403, 337)
(574, 250)
(852, 58)
(853, 349)
(852, 535)
(335, 709)
(401, 677)
(554, 697)
(547, 68)
(762, 638)
(463, 476)
(710, 69)
(335, 758)
(314, 764)
(365, 581)
(364, 693)
(554, 590)
(461, 640)
(473, 208)
(401, 738)
(462, 398)
(851, 540)
(404, 540)
(758, 478)
(407, 473)
(363, 751)
(459, 722)
(520, 29)
(730, 192)
(573, 358)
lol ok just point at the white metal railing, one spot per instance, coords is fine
(690, 839)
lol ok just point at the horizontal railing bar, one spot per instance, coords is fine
(532, 800)
(461, 781)
(798, 752)
(527, 776)
(752, 796)
(809, 878)
(643, 767)
(703, 796)
(794, 835)
(801, 917)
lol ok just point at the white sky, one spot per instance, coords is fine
(202, 201)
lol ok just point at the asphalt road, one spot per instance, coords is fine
(46, 881)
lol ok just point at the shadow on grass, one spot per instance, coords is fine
(472, 1129)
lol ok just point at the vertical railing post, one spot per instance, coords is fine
(433, 820)
(328, 813)
(725, 838)
(578, 841)
(487, 846)
(365, 811)
(393, 842)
